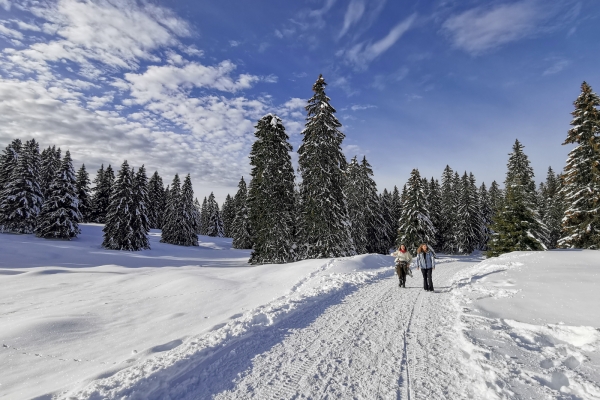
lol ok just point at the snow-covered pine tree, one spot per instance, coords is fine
(271, 194)
(215, 223)
(171, 222)
(187, 231)
(487, 213)
(50, 164)
(581, 177)
(8, 163)
(204, 214)
(324, 229)
(118, 232)
(104, 181)
(198, 216)
(60, 215)
(22, 197)
(396, 210)
(447, 222)
(386, 205)
(96, 196)
(377, 229)
(355, 200)
(496, 197)
(156, 201)
(415, 225)
(140, 223)
(554, 208)
(228, 212)
(435, 209)
(82, 185)
(469, 217)
(242, 238)
(516, 225)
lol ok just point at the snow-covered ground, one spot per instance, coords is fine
(79, 322)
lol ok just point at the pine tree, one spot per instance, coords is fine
(386, 205)
(8, 163)
(241, 232)
(82, 186)
(487, 214)
(415, 225)
(198, 216)
(215, 223)
(448, 218)
(516, 225)
(469, 218)
(140, 222)
(228, 212)
(204, 215)
(60, 215)
(496, 197)
(104, 182)
(554, 208)
(377, 230)
(118, 230)
(188, 218)
(22, 196)
(324, 229)
(355, 198)
(581, 222)
(156, 201)
(50, 165)
(271, 194)
(396, 210)
(435, 209)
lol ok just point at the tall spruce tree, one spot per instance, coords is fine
(156, 201)
(271, 194)
(60, 215)
(581, 177)
(228, 212)
(377, 230)
(487, 214)
(140, 222)
(554, 208)
(448, 218)
(496, 197)
(516, 225)
(8, 163)
(355, 198)
(169, 232)
(198, 216)
(188, 218)
(215, 223)
(324, 229)
(82, 185)
(469, 218)
(204, 215)
(386, 204)
(50, 165)
(118, 230)
(241, 230)
(104, 181)
(415, 224)
(22, 197)
(396, 210)
(435, 209)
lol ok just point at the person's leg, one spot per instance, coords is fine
(430, 279)
(424, 271)
(399, 275)
(402, 277)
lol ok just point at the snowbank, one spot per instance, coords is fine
(73, 313)
(530, 322)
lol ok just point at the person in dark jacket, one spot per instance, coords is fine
(426, 263)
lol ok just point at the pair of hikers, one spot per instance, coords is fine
(425, 262)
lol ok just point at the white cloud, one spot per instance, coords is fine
(354, 13)
(556, 67)
(5, 4)
(357, 107)
(484, 28)
(234, 43)
(363, 53)
(9, 33)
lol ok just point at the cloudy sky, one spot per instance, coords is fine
(179, 85)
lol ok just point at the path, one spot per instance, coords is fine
(377, 342)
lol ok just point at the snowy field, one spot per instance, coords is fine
(81, 322)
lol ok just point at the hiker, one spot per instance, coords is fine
(426, 263)
(403, 259)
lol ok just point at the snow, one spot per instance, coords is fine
(80, 322)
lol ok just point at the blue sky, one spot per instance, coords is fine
(178, 85)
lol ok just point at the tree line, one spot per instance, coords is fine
(334, 210)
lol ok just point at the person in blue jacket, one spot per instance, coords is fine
(426, 263)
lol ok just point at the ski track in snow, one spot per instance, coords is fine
(379, 341)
